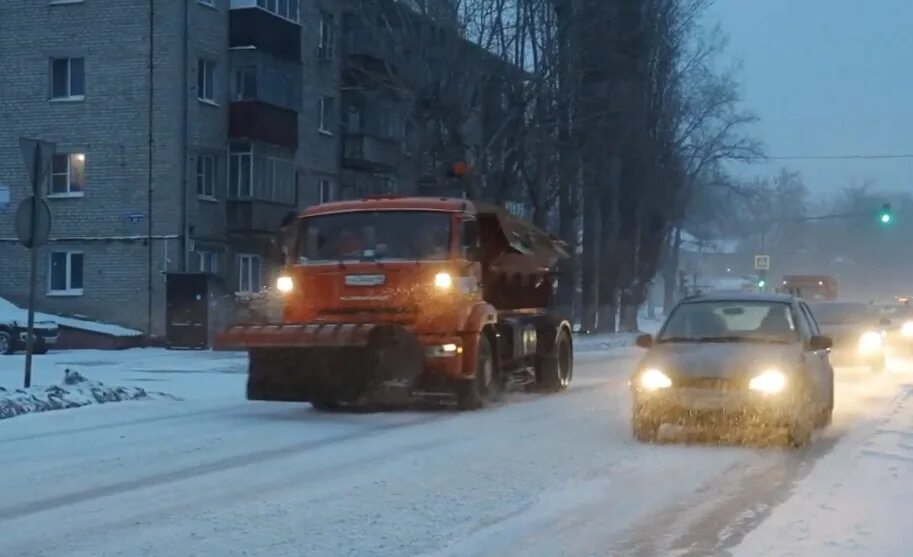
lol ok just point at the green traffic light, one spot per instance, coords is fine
(886, 214)
(762, 283)
(885, 218)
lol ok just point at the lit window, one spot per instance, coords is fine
(68, 175)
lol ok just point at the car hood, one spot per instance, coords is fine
(724, 360)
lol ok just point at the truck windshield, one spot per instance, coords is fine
(375, 235)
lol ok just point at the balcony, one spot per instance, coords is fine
(367, 152)
(255, 216)
(254, 27)
(260, 121)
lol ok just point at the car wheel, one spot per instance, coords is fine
(799, 432)
(645, 430)
(6, 343)
(474, 393)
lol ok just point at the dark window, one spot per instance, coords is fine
(327, 48)
(206, 76)
(245, 83)
(206, 176)
(65, 274)
(325, 116)
(68, 78)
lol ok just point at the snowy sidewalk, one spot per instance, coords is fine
(857, 501)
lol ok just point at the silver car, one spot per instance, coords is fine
(737, 360)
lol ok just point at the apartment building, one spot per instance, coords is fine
(186, 130)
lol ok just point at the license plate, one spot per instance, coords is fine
(365, 280)
(707, 400)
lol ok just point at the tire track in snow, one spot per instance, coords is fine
(190, 472)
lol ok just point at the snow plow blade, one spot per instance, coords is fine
(327, 363)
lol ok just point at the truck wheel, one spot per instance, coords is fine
(554, 371)
(474, 393)
(6, 343)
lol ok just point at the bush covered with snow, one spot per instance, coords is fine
(75, 391)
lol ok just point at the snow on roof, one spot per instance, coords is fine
(10, 312)
(723, 245)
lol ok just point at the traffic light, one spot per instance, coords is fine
(762, 283)
(885, 215)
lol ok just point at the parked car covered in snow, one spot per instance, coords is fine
(14, 330)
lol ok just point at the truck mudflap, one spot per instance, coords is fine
(328, 363)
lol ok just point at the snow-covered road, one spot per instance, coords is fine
(537, 475)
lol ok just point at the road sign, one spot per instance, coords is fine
(762, 262)
(37, 155)
(24, 223)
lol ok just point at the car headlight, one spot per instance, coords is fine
(654, 379)
(870, 341)
(907, 329)
(285, 284)
(769, 382)
(443, 281)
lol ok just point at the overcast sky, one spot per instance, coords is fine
(827, 77)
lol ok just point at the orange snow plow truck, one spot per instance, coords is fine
(389, 300)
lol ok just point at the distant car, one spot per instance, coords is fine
(899, 327)
(738, 360)
(858, 332)
(14, 335)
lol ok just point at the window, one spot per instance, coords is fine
(730, 321)
(327, 48)
(470, 238)
(248, 274)
(240, 158)
(325, 108)
(811, 319)
(65, 274)
(209, 262)
(68, 175)
(245, 83)
(68, 79)
(206, 77)
(287, 9)
(206, 176)
(326, 190)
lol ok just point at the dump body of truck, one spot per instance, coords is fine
(391, 299)
(810, 287)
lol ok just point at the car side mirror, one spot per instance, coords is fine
(644, 341)
(821, 342)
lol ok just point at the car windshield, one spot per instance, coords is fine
(841, 314)
(375, 235)
(730, 321)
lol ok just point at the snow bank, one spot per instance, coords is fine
(10, 312)
(75, 391)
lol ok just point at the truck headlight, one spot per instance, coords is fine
(285, 284)
(653, 380)
(870, 341)
(443, 281)
(907, 329)
(771, 382)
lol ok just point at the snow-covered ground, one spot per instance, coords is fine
(538, 475)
